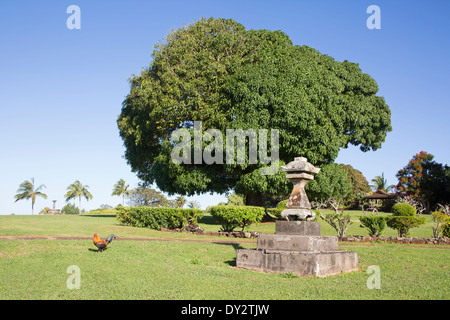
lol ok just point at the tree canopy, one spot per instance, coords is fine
(425, 180)
(330, 182)
(359, 183)
(217, 72)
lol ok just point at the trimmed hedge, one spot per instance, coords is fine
(403, 209)
(403, 223)
(374, 224)
(157, 218)
(231, 217)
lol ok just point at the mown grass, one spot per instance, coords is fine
(87, 225)
(36, 269)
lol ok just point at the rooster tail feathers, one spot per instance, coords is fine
(110, 238)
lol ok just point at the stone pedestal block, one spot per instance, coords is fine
(298, 247)
(297, 227)
(319, 264)
(270, 242)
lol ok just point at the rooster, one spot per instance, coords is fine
(102, 244)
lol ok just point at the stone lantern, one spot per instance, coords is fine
(299, 172)
(297, 246)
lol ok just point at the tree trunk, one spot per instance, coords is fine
(255, 199)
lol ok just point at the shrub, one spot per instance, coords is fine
(157, 218)
(403, 223)
(70, 209)
(446, 230)
(403, 209)
(231, 217)
(404, 218)
(339, 221)
(282, 204)
(274, 213)
(100, 211)
(374, 224)
(441, 224)
(44, 211)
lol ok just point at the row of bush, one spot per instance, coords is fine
(230, 217)
(404, 217)
(157, 218)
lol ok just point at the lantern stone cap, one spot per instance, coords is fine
(300, 164)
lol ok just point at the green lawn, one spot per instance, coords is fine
(36, 269)
(87, 225)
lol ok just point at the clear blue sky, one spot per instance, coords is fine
(61, 90)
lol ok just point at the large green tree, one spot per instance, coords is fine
(330, 182)
(217, 72)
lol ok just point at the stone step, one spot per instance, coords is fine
(297, 227)
(319, 264)
(277, 242)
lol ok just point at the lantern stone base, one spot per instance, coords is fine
(298, 253)
(301, 214)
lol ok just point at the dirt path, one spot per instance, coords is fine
(236, 240)
(129, 239)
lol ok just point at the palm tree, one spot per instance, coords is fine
(180, 201)
(76, 189)
(120, 189)
(27, 191)
(380, 183)
(194, 204)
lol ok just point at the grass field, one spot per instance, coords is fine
(36, 269)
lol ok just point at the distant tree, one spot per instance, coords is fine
(180, 201)
(194, 204)
(27, 191)
(148, 197)
(121, 189)
(409, 178)
(380, 183)
(70, 208)
(78, 190)
(359, 185)
(235, 200)
(435, 183)
(425, 180)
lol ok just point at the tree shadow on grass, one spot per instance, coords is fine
(236, 246)
(99, 215)
(210, 220)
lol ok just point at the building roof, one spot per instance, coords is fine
(380, 194)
